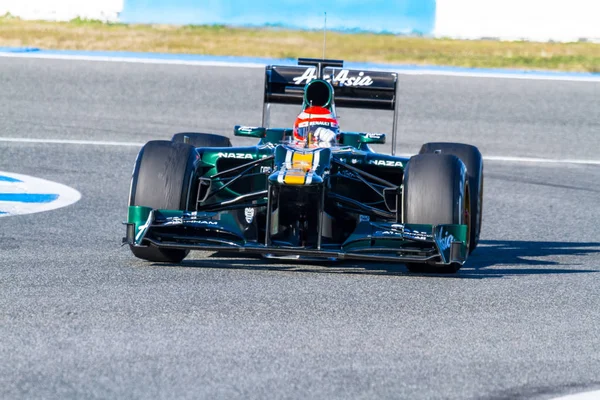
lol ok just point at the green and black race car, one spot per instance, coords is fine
(282, 200)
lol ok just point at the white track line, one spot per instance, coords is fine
(499, 75)
(542, 160)
(531, 160)
(68, 141)
(138, 60)
(135, 144)
(595, 395)
(402, 71)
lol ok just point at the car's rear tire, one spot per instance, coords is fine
(471, 157)
(162, 179)
(202, 139)
(435, 189)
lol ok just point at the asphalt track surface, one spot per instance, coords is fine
(81, 318)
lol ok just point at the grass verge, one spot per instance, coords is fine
(282, 43)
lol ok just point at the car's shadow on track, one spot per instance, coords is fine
(492, 259)
(512, 257)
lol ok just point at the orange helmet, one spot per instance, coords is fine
(311, 119)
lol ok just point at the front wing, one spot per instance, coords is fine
(370, 241)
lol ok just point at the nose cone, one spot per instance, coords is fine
(300, 166)
(295, 177)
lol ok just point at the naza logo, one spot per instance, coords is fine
(23, 194)
(235, 155)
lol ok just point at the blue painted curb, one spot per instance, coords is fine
(9, 179)
(24, 197)
(18, 49)
(24, 194)
(28, 197)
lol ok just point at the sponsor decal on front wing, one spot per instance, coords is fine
(395, 233)
(181, 221)
(414, 234)
(446, 241)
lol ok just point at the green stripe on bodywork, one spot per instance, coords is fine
(138, 215)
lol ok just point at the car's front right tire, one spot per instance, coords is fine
(198, 139)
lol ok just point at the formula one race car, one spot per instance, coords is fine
(292, 197)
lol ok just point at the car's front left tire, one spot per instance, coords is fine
(163, 178)
(471, 157)
(435, 191)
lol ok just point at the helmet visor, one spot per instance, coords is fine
(305, 130)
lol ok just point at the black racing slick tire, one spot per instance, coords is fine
(434, 191)
(162, 179)
(202, 139)
(473, 160)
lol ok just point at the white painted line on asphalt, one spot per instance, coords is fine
(135, 144)
(496, 75)
(214, 63)
(595, 395)
(68, 141)
(532, 160)
(542, 160)
(133, 60)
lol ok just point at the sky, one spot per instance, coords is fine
(399, 16)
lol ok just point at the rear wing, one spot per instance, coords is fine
(374, 90)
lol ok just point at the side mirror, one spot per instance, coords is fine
(357, 138)
(377, 138)
(250, 131)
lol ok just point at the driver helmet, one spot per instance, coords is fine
(311, 119)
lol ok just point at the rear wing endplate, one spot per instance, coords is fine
(353, 88)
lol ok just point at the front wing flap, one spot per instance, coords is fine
(371, 241)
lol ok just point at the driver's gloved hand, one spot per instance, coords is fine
(324, 137)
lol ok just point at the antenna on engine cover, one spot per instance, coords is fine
(324, 34)
(308, 134)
